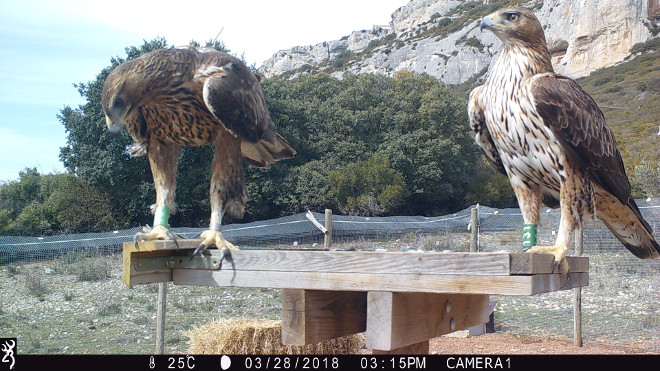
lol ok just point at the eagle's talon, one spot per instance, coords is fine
(225, 253)
(199, 249)
(214, 238)
(158, 232)
(173, 237)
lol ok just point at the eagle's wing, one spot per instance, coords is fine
(580, 127)
(481, 133)
(233, 94)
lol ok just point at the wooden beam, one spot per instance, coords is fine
(468, 284)
(471, 273)
(310, 316)
(147, 249)
(418, 348)
(379, 262)
(132, 276)
(524, 263)
(486, 264)
(398, 319)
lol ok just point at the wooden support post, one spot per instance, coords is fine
(327, 240)
(399, 319)
(160, 318)
(577, 295)
(310, 316)
(474, 229)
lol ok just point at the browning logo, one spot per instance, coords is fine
(8, 348)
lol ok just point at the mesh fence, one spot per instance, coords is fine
(52, 276)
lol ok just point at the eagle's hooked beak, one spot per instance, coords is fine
(114, 126)
(486, 22)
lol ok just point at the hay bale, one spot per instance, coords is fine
(260, 336)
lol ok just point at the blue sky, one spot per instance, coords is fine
(47, 46)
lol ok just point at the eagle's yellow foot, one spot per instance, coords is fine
(214, 238)
(159, 232)
(558, 251)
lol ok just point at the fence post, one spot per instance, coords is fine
(160, 318)
(474, 229)
(328, 225)
(577, 295)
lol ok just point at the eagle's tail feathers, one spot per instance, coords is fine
(627, 224)
(637, 239)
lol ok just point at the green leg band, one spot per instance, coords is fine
(529, 235)
(162, 216)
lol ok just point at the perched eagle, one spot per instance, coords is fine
(551, 140)
(188, 97)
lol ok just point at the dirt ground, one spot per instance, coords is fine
(504, 343)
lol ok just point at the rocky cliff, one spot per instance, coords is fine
(442, 38)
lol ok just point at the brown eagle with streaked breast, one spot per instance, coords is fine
(187, 97)
(551, 140)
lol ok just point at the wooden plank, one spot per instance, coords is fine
(525, 263)
(405, 270)
(487, 264)
(398, 319)
(371, 262)
(556, 282)
(441, 283)
(310, 316)
(418, 348)
(399, 262)
(132, 276)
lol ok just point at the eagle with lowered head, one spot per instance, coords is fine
(551, 140)
(188, 97)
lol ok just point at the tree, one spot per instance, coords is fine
(16, 195)
(430, 144)
(368, 187)
(413, 120)
(490, 187)
(55, 203)
(647, 178)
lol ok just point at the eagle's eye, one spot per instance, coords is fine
(119, 103)
(513, 17)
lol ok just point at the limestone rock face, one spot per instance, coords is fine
(583, 35)
(417, 12)
(312, 55)
(593, 33)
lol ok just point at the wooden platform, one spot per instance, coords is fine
(401, 299)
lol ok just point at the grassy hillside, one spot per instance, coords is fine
(629, 95)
